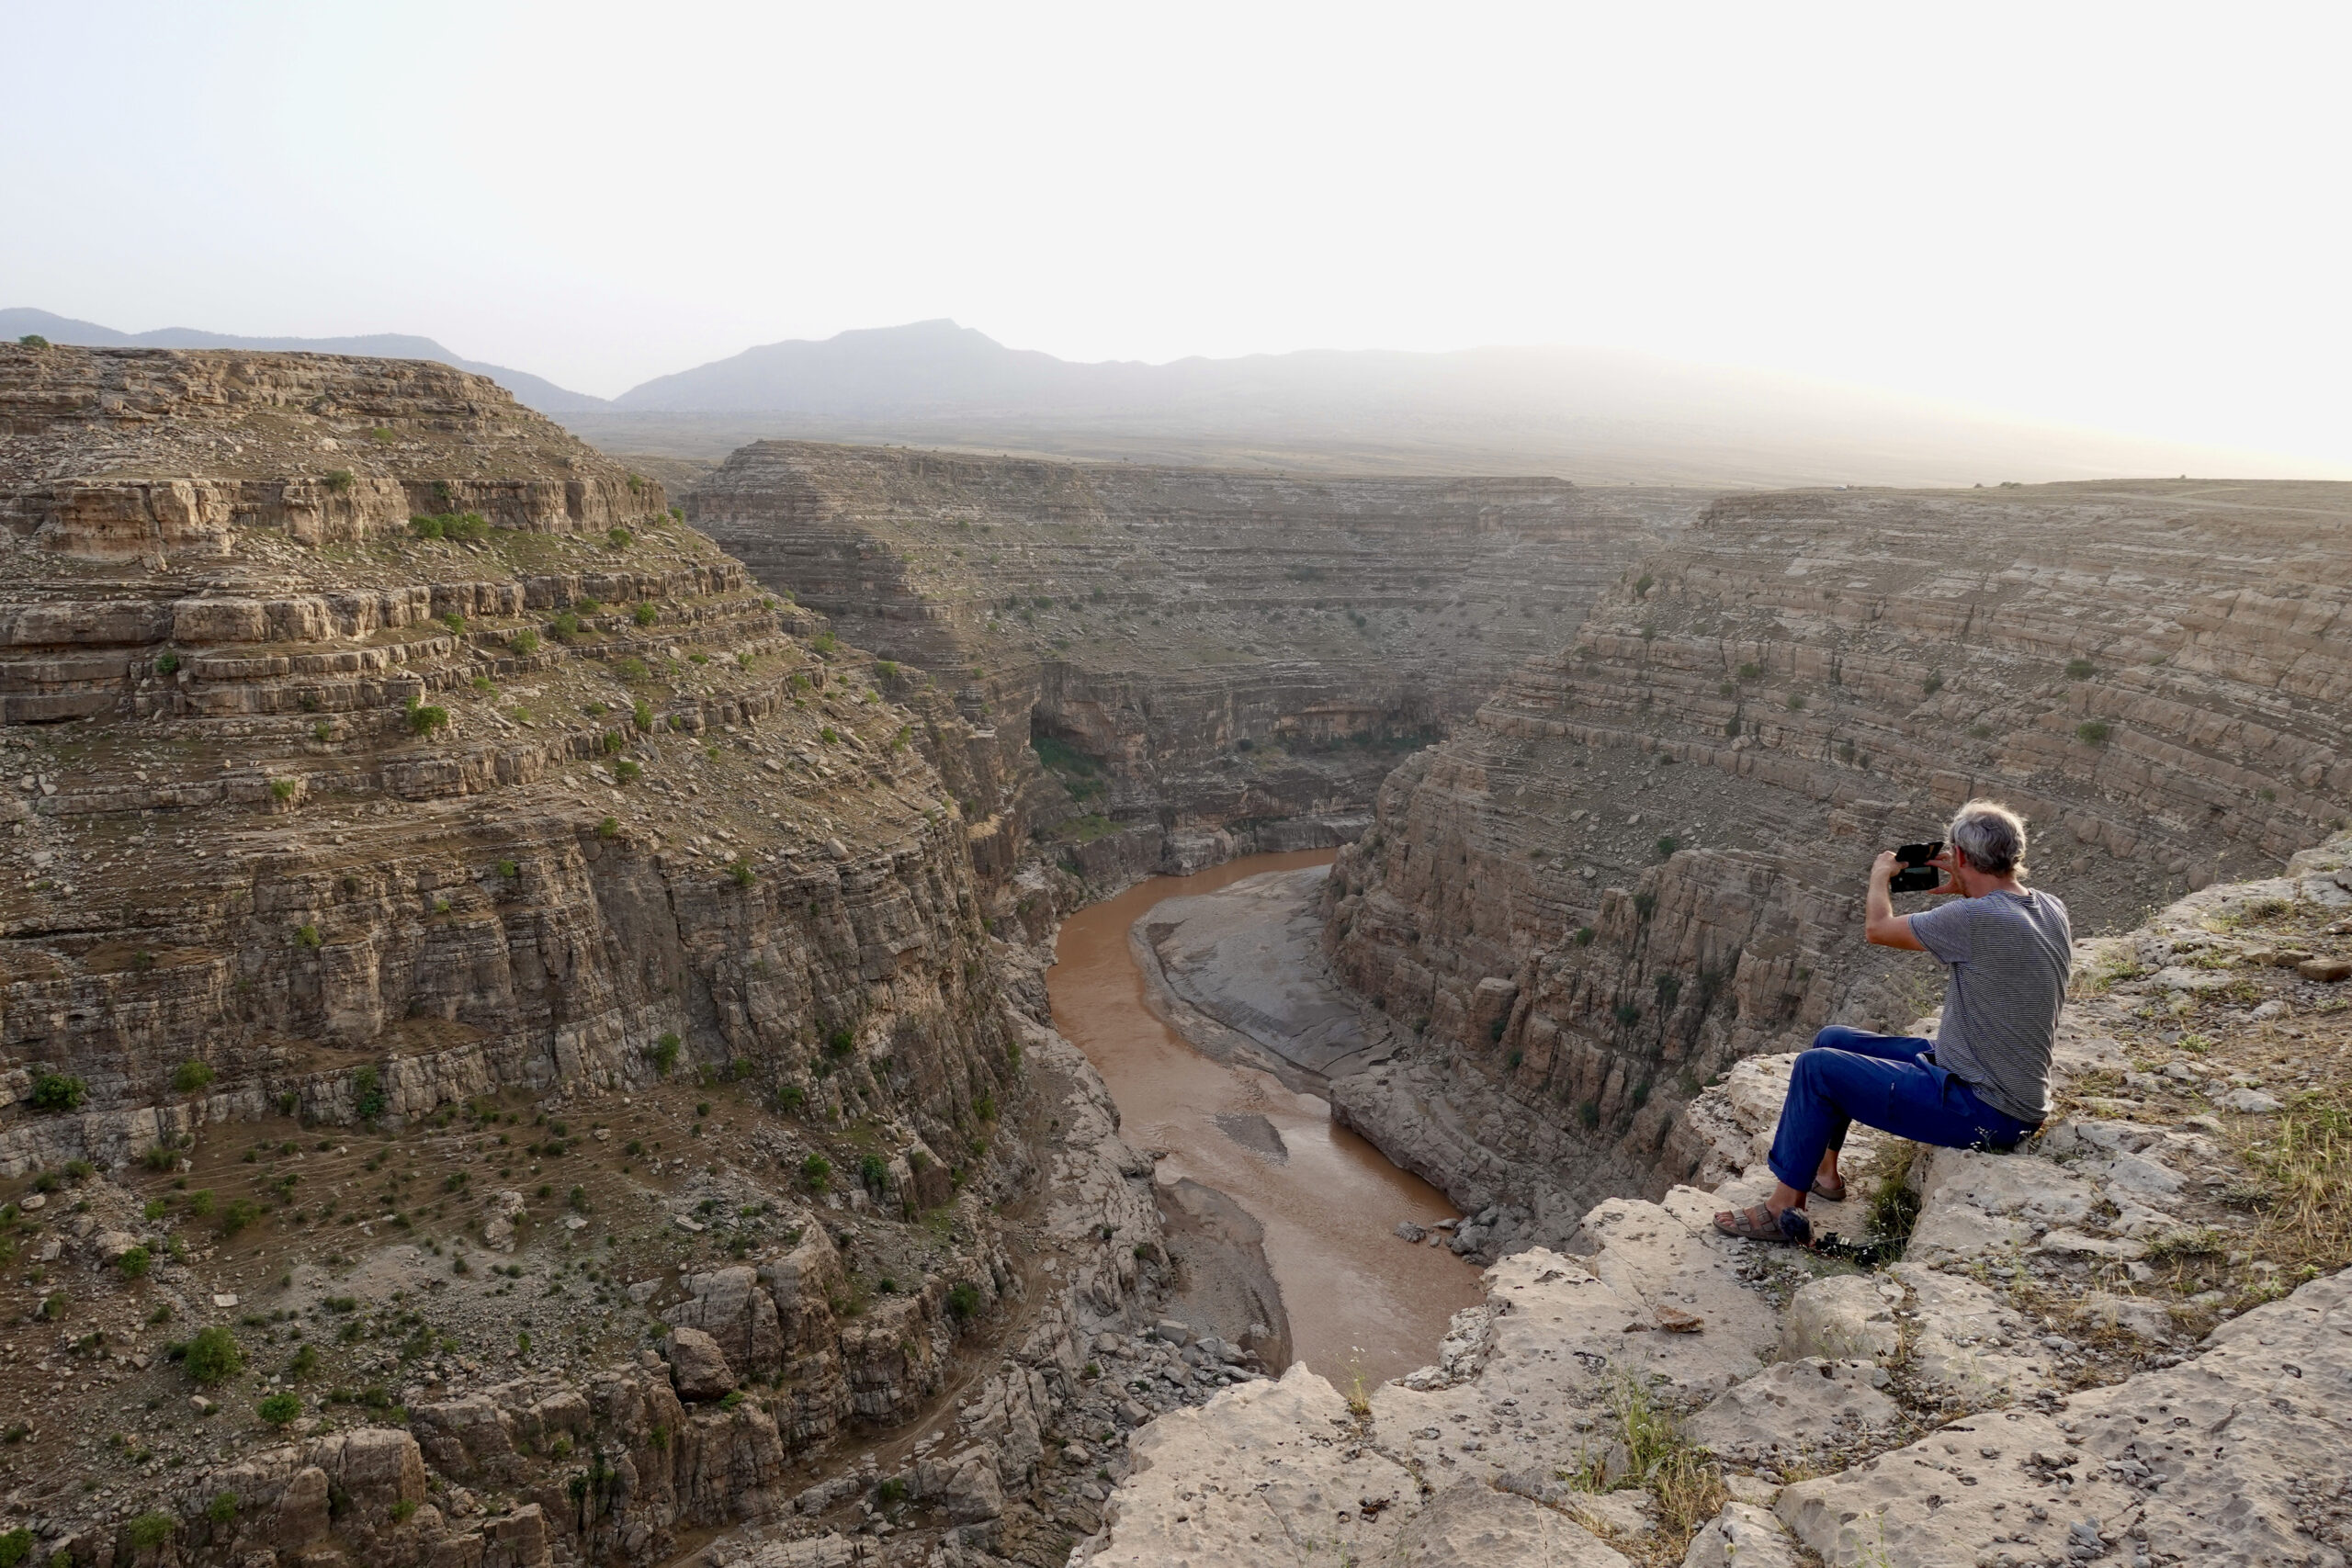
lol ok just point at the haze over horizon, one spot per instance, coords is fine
(2030, 222)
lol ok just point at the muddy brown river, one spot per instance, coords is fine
(1357, 1297)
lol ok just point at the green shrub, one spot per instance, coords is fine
(509, 870)
(2081, 669)
(524, 643)
(791, 1097)
(281, 789)
(280, 1409)
(191, 1075)
(610, 828)
(964, 1300)
(150, 1530)
(1933, 683)
(461, 526)
(825, 643)
(222, 1509)
(619, 538)
(1666, 846)
(740, 874)
(1796, 702)
(33, 340)
(135, 1262)
(1589, 1114)
(873, 1172)
(306, 936)
(645, 615)
(1584, 936)
(818, 1172)
(1641, 587)
(567, 625)
(732, 1399)
(214, 1356)
(626, 771)
(239, 1213)
(829, 736)
(168, 662)
(54, 1092)
(663, 1054)
(424, 719)
(2092, 732)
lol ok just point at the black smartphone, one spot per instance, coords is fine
(1916, 875)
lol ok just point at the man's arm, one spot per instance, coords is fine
(1881, 924)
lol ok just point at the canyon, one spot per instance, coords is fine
(1210, 663)
(526, 1036)
(1643, 859)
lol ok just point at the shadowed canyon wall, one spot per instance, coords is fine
(1215, 661)
(1645, 857)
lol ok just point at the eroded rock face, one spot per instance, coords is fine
(1233, 659)
(1645, 859)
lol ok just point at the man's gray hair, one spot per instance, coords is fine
(1991, 835)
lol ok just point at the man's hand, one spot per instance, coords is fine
(1881, 924)
(1949, 864)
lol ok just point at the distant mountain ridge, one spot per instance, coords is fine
(1593, 415)
(532, 391)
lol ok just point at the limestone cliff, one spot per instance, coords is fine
(1644, 858)
(1212, 661)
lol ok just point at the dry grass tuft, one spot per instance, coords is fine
(2303, 1161)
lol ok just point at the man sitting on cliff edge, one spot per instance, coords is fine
(1984, 1081)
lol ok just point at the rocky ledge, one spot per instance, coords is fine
(2130, 1341)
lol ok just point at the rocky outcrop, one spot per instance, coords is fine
(1214, 662)
(1644, 860)
(2125, 1342)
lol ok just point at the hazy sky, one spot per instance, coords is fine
(2130, 217)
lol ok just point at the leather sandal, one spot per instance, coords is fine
(1760, 1223)
(1833, 1194)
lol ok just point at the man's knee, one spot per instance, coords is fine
(1812, 1069)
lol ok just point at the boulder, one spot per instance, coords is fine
(736, 1311)
(698, 1367)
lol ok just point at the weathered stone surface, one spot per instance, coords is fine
(1795, 1407)
(1843, 1318)
(1742, 1536)
(1470, 1525)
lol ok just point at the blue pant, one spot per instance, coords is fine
(1887, 1081)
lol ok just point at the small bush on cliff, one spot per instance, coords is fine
(367, 1093)
(2080, 668)
(458, 526)
(166, 662)
(1589, 1114)
(626, 771)
(306, 936)
(816, 1171)
(54, 1092)
(1796, 702)
(280, 1409)
(610, 828)
(134, 1262)
(2092, 732)
(1666, 846)
(1584, 936)
(424, 719)
(237, 1214)
(663, 1054)
(1933, 683)
(740, 875)
(963, 1301)
(645, 615)
(340, 480)
(1750, 672)
(524, 644)
(619, 538)
(33, 340)
(282, 789)
(873, 1172)
(150, 1531)
(567, 625)
(214, 1356)
(191, 1076)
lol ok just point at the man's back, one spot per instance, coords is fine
(2010, 955)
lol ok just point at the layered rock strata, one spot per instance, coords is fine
(1215, 661)
(1644, 858)
(2125, 1342)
